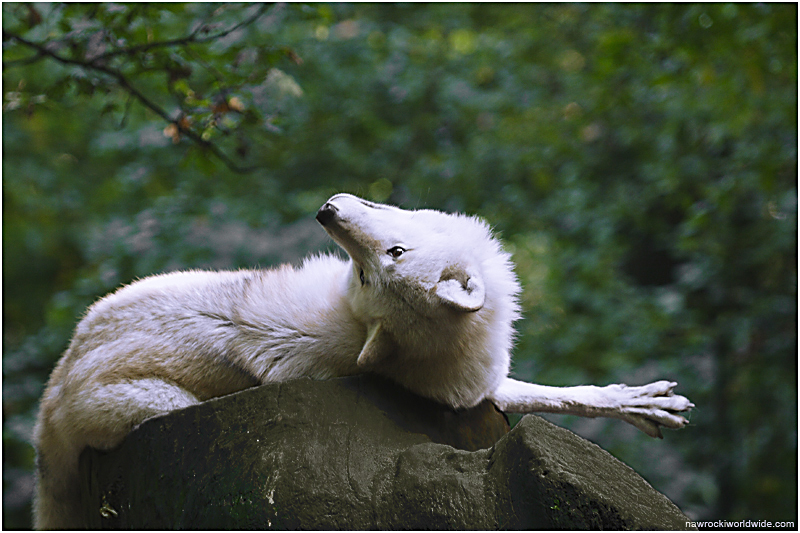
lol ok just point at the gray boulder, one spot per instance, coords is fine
(360, 453)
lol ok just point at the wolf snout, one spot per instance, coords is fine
(326, 213)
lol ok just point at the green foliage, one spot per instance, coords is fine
(640, 161)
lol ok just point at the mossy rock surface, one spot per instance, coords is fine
(360, 453)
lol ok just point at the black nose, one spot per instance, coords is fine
(326, 213)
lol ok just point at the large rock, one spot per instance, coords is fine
(360, 453)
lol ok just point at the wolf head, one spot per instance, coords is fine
(431, 287)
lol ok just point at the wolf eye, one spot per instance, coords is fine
(396, 251)
(361, 276)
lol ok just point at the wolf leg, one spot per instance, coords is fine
(100, 417)
(647, 407)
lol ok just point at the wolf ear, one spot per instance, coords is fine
(379, 345)
(461, 288)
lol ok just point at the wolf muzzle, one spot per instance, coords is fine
(326, 213)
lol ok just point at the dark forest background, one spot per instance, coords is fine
(639, 161)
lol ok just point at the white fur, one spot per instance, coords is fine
(426, 298)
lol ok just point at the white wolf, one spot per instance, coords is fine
(426, 298)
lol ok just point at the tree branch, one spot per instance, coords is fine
(189, 39)
(96, 65)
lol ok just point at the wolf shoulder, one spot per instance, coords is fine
(181, 307)
(176, 295)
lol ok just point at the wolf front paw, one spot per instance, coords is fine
(651, 406)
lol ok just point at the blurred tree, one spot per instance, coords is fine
(640, 161)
